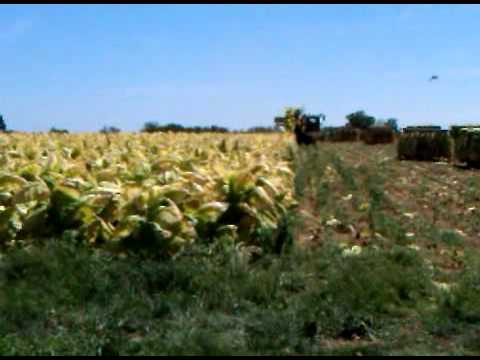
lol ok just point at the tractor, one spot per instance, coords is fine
(306, 127)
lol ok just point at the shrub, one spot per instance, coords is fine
(344, 133)
(378, 135)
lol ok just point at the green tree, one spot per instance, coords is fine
(110, 129)
(360, 120)
(3, 126)
(151, 126)
(393, 124)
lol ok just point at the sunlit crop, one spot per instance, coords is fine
(147, 191)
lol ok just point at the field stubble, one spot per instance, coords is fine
(363, 199)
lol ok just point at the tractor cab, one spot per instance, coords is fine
(306, 127)
(311, 123)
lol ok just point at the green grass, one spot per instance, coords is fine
(61, 299)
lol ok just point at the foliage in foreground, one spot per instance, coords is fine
(60, 298)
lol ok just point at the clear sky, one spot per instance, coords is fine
(84, 66)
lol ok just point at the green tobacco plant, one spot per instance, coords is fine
(461, 302)
(345, 172)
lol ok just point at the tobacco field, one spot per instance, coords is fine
(233, 244)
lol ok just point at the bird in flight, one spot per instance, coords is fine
(434, 77)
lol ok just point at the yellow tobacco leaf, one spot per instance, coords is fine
(364, 206)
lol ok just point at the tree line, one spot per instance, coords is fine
(358, 119)
(152, 127)
(361, 120)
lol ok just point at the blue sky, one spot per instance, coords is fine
(84, 66)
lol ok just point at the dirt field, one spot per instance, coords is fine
(418, 196)
(362, 198)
